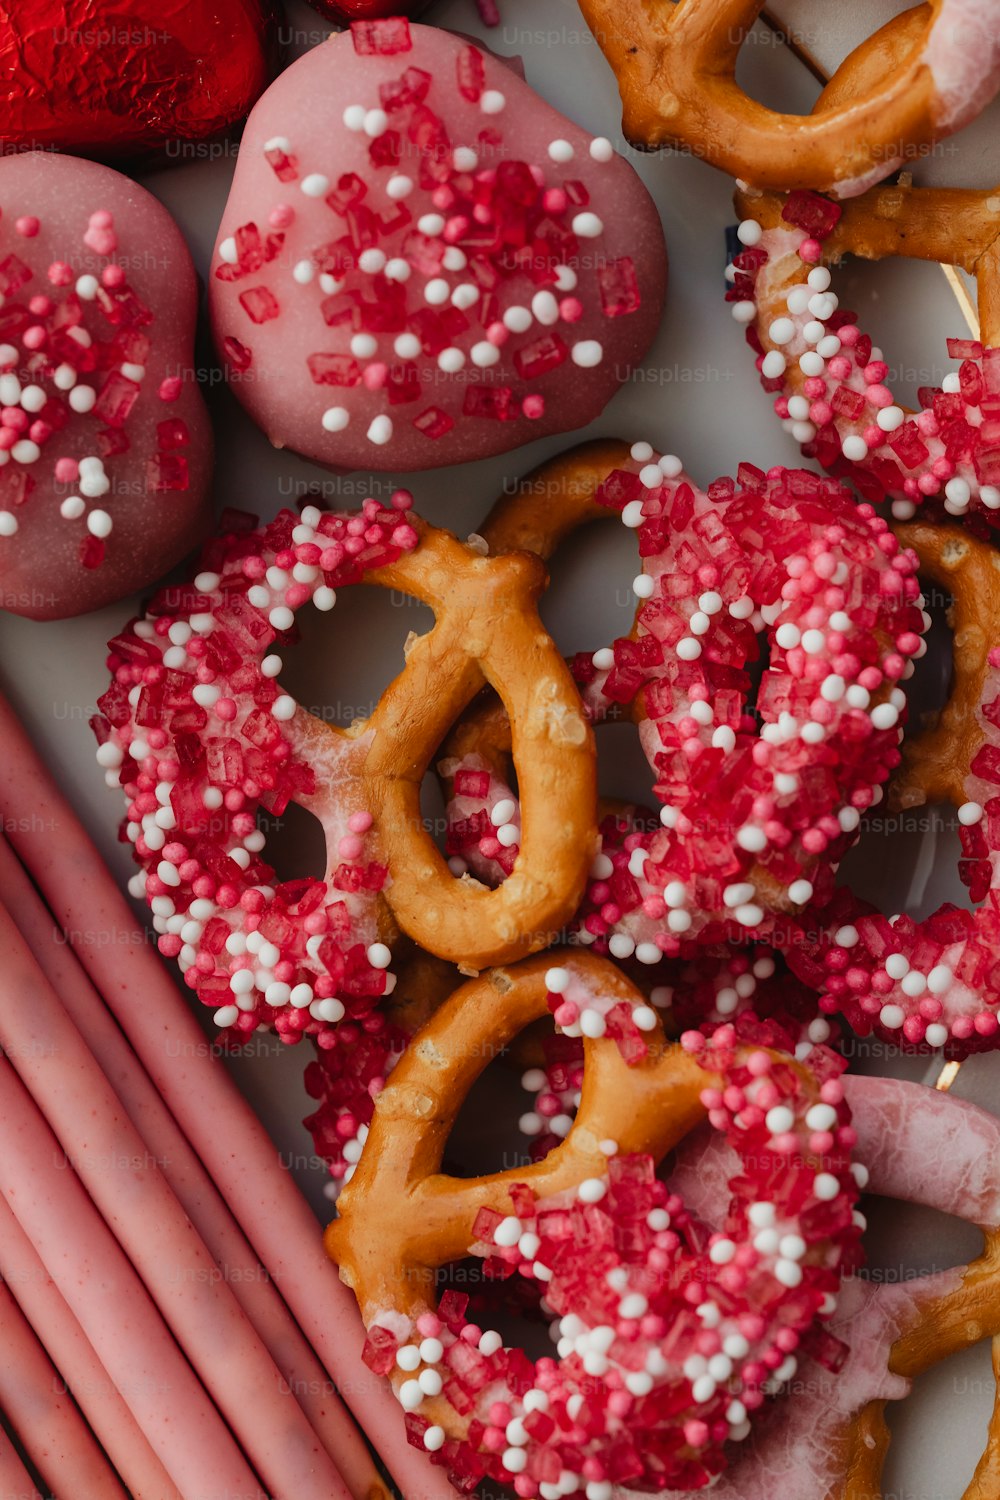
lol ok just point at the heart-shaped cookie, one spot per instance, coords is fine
(421, 262)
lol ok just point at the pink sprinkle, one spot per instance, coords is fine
(170, 388)
(67, 470)
(281, 215)
(359, 822)
(28, 226)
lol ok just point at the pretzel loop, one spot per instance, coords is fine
(935, 762)
(676, 66)
(646, 1108)
(487, 630)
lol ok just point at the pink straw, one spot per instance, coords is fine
(195, 1190)
(127, 1186)
(217, 1120)
(92, 1388)
(15, 1481)
(52, 1432)
(113, 1307)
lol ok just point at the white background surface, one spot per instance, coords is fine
(698, 396)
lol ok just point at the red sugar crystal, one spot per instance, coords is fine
(619, 287)
(13, 275)
(238, 354)
(379, 1352)
(546, 353)
(92, 551)
(411, 88)
(282, 165)
(167, 471)
(172, 434)
(908, 446)
(810, 211)
(496, 401)
(382, 38)
(260, 304)
(433, 422)
(848, 403)
(476, 783)
(334, 369)
(471, 74)
(116, 400)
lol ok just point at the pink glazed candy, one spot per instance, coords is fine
(421, 262)
(105, 445)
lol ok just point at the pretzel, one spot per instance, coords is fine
(830, 1438)
(668, 1340)
(753, 827)
(830, 383)
(935, 981)
(921, 76)
(198, 731)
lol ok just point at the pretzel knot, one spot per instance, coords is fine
(831, 384)
(755, 815)
(669, 1336)
(923, 75)
(937, 980)
(198, 731)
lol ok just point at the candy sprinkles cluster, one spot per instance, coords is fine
(830, 381)
(937, 981)
(755, 816)
(200, 735)
(669, 1334)
(433, 264)
(73, 359)
(737, 988)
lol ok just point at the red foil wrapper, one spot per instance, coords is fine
(115, 79)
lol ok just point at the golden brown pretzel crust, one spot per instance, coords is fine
(401, 1217)
(486, 630)
(398, 1182)
(676, 67)
(957, 226)
(936, 762)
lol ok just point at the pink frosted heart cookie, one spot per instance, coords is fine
(105, 445)
(421, 262)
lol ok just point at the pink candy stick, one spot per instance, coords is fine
(92, 1388)
(128, 1187)
(34, 1398)
(195, 1190)
(112, 1306)
(205, 1102)
(15, 1481)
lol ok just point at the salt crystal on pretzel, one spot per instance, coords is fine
(831, 383)
(922, 75)
(197, 729)
(754, 823)
(669, 1339)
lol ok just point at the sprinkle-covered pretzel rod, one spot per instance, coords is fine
(219, 1123)
(197, 1194)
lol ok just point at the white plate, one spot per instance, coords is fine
(697, 395)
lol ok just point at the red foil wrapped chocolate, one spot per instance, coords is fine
(81, 76)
